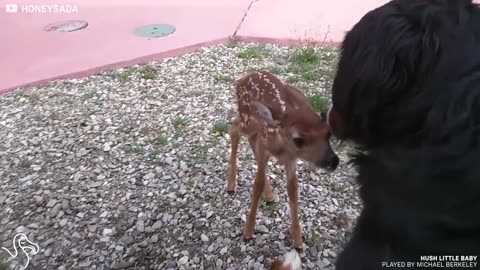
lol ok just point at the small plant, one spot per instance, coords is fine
(215, 58)
(179, 122)
(293, 79)
(318, 103)
(256, 52)
(308, 63)
(275, 70)
(300, 69)
(336, 187)
(223, 78)
(330, 57)
(311, 75)
(305, 56)
(340, 220)
(4, 265)
(148, 73)
(119, 231)
(125, 75)
(19, 94)
(252, 69)
(211, 96)
(315, 238)
(270, 208)
(31, 96)
(232, 42)
(314, 63)
(272, 69)
(68, 100)
(160, 140)
(110, 73)
(132, 148)
(90, 94)
(200, 153)
(153, 153)
(221, 128)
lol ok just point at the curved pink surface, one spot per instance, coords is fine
(32, 56)
(326, 21)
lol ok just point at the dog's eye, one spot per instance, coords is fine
(299, 142)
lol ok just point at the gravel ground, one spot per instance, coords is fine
(127, 169)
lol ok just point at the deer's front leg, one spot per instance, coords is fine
(292, 191)
(258, 186)
(235, 134)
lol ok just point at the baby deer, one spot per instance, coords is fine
(278, 121)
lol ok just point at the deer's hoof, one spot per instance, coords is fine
(230, 192)
(296, 241)
(268, 199)
(297, 244)
(246, 239)
(298, 247)
(247, 236)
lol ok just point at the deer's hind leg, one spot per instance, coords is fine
(268, 190)
(258, 187)
(292, 191)
(235, 135)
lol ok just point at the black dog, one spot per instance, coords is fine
(407, 94)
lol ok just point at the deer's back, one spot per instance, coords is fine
(269, 90)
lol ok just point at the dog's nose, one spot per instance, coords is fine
(334, 161)
(329, 163)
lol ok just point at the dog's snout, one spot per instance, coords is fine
(334, 161)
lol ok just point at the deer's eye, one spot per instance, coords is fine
(299, 142)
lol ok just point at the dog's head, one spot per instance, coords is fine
(404, 71)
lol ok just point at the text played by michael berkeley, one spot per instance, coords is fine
(431, 261)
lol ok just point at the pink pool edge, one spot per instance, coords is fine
(34, 56)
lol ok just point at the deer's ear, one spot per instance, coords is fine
(264, 113)
(334, 121)
(323, 115)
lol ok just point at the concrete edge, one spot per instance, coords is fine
(121, 64)
(282, 41)
(158, 56)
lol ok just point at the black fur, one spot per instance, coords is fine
(408, 91)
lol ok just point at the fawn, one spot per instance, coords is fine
(278, 121)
